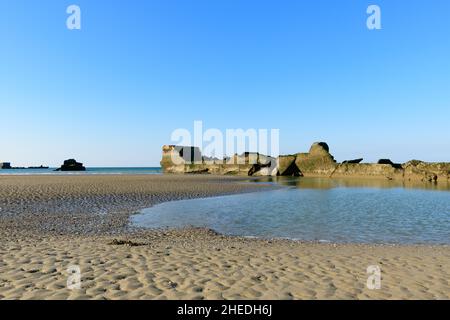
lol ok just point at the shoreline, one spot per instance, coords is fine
(48, 223)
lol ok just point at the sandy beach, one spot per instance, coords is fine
(48, 223)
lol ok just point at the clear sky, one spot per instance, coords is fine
(111, 93)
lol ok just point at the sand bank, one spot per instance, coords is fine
(50, 223)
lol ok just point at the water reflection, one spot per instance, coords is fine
(330, 183)
(335, 210)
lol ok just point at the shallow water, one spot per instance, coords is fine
(319, 209)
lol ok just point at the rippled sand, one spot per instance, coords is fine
(195, 264)
(50, 223)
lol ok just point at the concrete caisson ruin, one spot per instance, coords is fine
(318, 162)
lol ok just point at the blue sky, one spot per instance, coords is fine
(111, 93)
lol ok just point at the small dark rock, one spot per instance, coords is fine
(353, 161)
(71, 165)
(129, 243)
(385, 161)
(388, 161)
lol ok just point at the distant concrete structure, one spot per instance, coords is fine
(188, 159)
(5, 165)
(71, 165)
(318, 162)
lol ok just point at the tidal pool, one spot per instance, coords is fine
(319, 209)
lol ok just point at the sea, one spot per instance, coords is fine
(93, 170)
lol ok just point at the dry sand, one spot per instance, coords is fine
(49, 223)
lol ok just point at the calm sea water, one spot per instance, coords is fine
(106, 170)
(319, 210)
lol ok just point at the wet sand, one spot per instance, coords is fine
(98, 204)
(48, 223)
